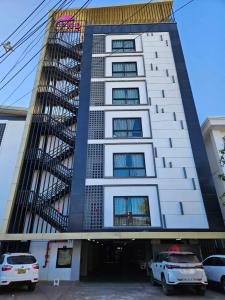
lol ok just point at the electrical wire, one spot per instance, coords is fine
(29, 33)
(26, 51)
(77, 13)
(27, 18)
(174, 12)
(24, 66)
(29, 72)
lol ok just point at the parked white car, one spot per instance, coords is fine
(175, 269)
(19, 268)
(214, 266)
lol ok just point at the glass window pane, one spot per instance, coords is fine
(64, 258)
(117, 44)
(121, 172)
(140, 221)
(130, 67)
(21, 260)
(134, 124)
(119, 102)
(120, 205)
(132, 93)
(136, 160)
(120, 124)
(139, 205)
(120, 134)
(120, 221)
(131, 211)
(118, 67)
(137, 172)
(119, 93)
(129, 44)
(133, 101)
(120, 160)
(134, 133)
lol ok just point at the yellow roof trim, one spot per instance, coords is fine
(154, 12)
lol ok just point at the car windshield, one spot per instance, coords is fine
(183, 258)
(21, 260)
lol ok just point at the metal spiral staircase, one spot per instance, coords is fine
(55, 114)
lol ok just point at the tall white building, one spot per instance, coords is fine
(113, 165)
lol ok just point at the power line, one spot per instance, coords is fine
(162, 20)
(24, 66)
(77, 13)
(39, 5)
(29, 33)
(174, 12)
(26, 51)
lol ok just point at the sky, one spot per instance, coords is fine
(201, 27)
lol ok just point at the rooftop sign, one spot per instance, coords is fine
(66, 24)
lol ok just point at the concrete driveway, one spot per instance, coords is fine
(103, 291)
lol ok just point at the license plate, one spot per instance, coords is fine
(21, 271)
(187, 271)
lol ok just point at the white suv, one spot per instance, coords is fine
(214, 267)
(19, 268)
(173, 269)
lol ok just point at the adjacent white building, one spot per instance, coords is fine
(12, 121)
(213, 130)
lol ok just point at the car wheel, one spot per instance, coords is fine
(167, 290)
(200, 291)
(31, 287)
(152, 280)
(223, 283)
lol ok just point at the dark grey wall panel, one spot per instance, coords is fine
(98, 67)
(2, 130)
(96, 125)
(97, 94)
(77, 196)
(98, 46)
(95, 161)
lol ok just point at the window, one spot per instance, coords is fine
(121, 96)
(123, 45)
(127, 127)
(64, 258)
(214, 261)
(128, 164)
(183, 258)
(125, 69)
(131, 211)
(21, 260)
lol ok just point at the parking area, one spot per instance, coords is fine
(103, 291)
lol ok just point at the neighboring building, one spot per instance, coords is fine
(12, 121)
(114, 166)
(213, 130)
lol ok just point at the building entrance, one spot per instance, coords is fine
(116, 260)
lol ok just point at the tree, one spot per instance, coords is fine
(222, 163)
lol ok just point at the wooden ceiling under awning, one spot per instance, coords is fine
(156, 12)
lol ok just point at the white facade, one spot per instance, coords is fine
(165, 142)
(213, 130)
(9, 151)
